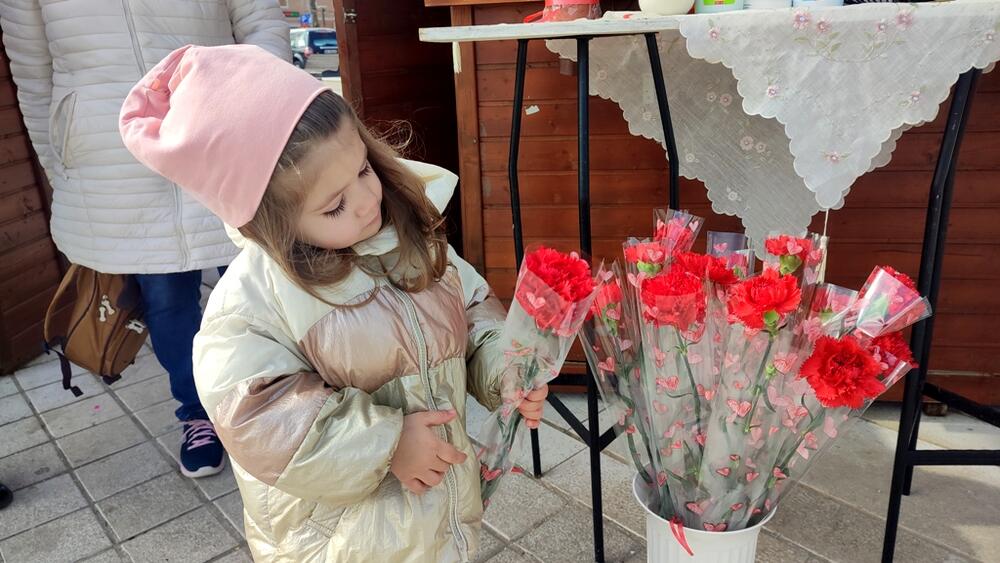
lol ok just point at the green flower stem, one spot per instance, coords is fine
(690, 376)
(757, 387)
(508, 432)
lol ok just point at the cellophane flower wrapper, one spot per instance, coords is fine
(611, 344)
(803, 257)
(677, 229)
(734, 249)
(791, 361)
(760, 346)
(805, 423)
(539, 330)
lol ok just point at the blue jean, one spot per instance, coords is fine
(172, 309)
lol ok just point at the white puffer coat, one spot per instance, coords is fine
(73, 62)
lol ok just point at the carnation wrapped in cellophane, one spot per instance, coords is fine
(735, 382)
(552, 298)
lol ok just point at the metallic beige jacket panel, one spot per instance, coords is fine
(309, 401)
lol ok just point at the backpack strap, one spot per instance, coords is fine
(67, 374)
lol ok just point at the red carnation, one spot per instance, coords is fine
(559, 281)
(891, 349)
(608, 298)
(842, 373)
(785, 245)
(701, 265)
(648, 253)
(676, 298)
(752, 299)
(675, 233)
(903, 278)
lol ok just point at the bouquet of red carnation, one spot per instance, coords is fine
(552, 298)
(737, 382)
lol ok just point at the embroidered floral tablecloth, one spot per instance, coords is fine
(804, 101)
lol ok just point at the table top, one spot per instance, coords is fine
(552, 30)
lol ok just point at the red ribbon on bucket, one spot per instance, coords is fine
(677, 529)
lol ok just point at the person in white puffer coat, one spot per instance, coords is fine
(73, 62)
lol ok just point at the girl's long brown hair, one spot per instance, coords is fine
(422, 252)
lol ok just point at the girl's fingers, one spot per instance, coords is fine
(415, 486)
(539, 394)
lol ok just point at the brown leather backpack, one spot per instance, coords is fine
(95, 322)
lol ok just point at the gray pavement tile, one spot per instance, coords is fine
(841, 532)
(231, 506)
(7, 386)
(21, 435)
(86, 413)
(489, 545)
(772, 549)
(212, 487)
(70, 538)
(963, 500)
(98, 441)
(40, 503)
(43, 374)
(241, 555)
(53, 396)
(12, 408)
(122, 470)
(145, 367)
(192, 538)
(519, 504)
(159, 419)
(31, 466)
(568, 537)
(573, 478)
(137, 396)
(577, 404)
(555, 447)
(511, 555)
(141, 508)
(109, 556)
(956, 430)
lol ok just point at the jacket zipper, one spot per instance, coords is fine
(178, 201)
(450, 480)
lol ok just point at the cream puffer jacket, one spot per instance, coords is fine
(73, 62)
(309, 400)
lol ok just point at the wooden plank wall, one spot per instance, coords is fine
(882, 222)
(398, 78)
(29, 267)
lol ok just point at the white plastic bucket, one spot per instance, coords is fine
(738, 546)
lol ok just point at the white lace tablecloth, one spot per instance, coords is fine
(803, 103)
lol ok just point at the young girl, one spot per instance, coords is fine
(336, 352)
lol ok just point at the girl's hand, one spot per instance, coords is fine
(422, 458)
(532, 405)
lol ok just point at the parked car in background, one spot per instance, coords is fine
(315, 50)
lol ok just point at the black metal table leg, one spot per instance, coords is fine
(515, 196)
(583, 203)
(656, 69)
(929, 284)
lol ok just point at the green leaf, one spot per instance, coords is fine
(648, 268)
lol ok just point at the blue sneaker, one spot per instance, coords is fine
(202, 453)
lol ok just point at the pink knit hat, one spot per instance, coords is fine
(214, 120)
